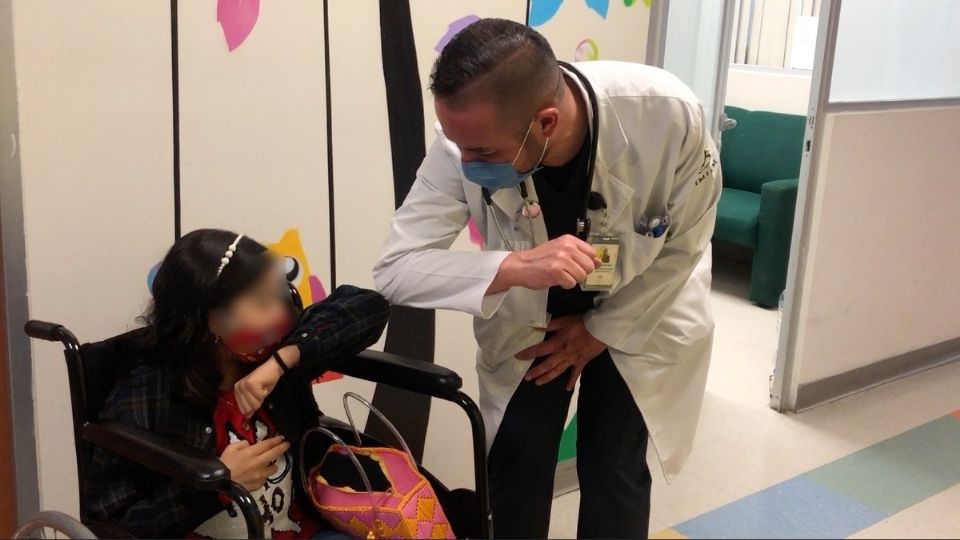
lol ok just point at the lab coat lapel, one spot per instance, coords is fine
(610, 147)
(617, 196)
(510, 203)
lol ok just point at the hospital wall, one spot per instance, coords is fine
(880, 291)
(118, 153)
(94, 94)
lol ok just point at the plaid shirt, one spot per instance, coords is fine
(150, 505)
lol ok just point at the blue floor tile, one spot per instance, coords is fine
(797, 508)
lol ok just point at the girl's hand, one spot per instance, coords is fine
(252, 390)
(250, 466)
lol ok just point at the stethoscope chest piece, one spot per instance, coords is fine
(531, 210)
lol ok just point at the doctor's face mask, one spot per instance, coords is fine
(494, 176)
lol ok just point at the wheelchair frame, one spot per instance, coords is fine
(196, 470)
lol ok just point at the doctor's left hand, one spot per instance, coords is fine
(570, 346)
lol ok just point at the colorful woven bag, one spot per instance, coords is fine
(407, 509)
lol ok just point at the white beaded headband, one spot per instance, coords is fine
(231, 249)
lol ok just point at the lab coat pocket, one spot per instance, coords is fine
(639, 252)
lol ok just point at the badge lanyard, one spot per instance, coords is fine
(532, 211)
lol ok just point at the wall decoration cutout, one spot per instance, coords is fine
(411, 331)
(600, 6)
(475, 237)
(452, 30)
(568, 441)
(298, 270)
(542, 11)
(152, 273)
(586, 50)
(237, 18)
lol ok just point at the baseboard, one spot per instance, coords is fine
(565, 480)
(815, 393)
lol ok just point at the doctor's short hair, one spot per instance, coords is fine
(497, 59)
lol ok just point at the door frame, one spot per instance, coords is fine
(723, 68)
(783, 391)
(8, 496)
(13, 243)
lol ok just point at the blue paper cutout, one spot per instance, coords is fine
(600, 6)
(542, 11)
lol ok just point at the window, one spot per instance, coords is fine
(889, 50)
(775, 33)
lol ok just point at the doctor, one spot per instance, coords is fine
(595, 188)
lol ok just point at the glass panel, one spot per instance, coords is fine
(897, 50)
(692, 49)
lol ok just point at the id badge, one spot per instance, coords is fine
(607, 248)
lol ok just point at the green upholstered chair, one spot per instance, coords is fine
(760, 159)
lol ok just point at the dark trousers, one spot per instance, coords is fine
(611, 457)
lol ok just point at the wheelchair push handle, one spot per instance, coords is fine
(46, 331)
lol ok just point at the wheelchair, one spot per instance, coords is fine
(94, 368)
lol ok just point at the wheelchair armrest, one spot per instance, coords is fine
(176, 460)
(401, 372)
(172, 458)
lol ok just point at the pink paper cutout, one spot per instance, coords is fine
(475, 237)
(237, 18)
(316, 289)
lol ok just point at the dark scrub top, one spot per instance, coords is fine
(560, 192)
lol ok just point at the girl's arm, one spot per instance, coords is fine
(328, 332)
(334, 330)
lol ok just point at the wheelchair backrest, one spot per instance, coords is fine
(106, 362)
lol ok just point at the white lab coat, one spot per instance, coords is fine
(655, 156)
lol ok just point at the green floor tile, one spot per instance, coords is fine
(898, 472)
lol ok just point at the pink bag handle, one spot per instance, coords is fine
(374, 507)
(353, 425)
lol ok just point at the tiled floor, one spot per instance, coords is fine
(744, 448)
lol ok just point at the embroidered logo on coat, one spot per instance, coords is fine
(707, 167)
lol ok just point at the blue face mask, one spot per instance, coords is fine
(494, 176)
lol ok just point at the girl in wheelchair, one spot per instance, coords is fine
(229, 372)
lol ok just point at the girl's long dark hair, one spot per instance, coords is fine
(185, 290)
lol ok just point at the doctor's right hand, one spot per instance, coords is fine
(563, 261)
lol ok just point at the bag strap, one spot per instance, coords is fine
(353, 458)
(356, 433)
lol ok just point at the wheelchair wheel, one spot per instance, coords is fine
(53, 525)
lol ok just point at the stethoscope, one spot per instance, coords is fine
(592, 200)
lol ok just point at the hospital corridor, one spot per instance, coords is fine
(881, 464)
